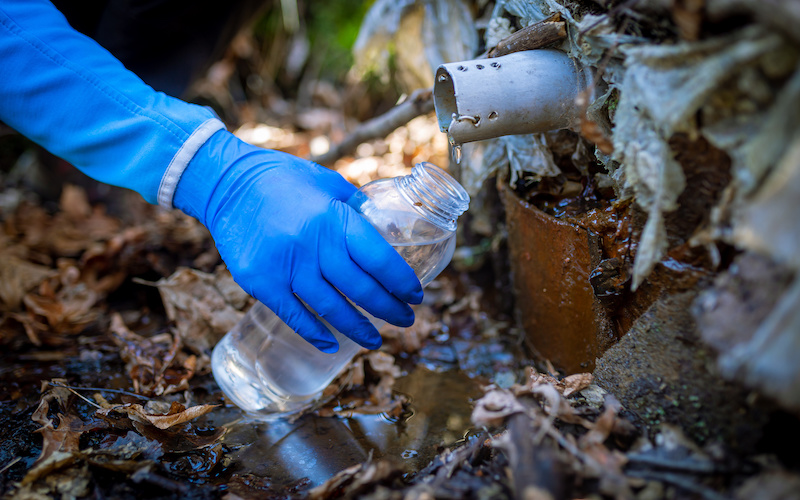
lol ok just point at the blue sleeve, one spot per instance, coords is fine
(65, 92)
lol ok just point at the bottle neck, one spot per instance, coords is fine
(434, 194)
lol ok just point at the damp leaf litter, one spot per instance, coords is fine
(619, 319)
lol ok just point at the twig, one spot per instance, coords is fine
(420, 102)
(10, 464)
(79, 395)
(536, 36)
(100, 389)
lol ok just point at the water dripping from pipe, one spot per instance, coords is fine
(456, 148)
(457, 153)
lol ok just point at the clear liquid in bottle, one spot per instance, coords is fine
(264, 367)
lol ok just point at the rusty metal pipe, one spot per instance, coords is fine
(520, 93)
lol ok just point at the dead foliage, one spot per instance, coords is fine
(203, 307)
(63, 468)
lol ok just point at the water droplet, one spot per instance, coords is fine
(442, 78)
(455, 147)
(457, 153)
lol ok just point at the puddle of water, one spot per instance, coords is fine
(317, 448)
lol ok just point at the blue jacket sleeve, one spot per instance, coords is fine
(65, 92)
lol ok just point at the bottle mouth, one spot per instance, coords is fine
(435, 194)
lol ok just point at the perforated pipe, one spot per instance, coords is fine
(521, 93)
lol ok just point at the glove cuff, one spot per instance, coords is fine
(184, 155)
(218, 157)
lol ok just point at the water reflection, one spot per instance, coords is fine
(317, 448)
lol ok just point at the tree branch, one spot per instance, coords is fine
(420, 102)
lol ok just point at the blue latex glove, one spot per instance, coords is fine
(72, 97)
(282, 226)
(279, 222)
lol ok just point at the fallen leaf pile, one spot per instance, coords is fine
(58, 269)
(129, 438)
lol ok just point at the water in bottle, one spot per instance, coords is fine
(264, 367)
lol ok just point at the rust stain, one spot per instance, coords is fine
(551, 261)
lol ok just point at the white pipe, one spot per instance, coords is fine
(520, 93)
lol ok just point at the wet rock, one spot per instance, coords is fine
(662, 372)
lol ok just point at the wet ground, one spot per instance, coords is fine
(289, 455)
(316, 448)
(439, 384)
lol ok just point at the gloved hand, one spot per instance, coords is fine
(282, 226)
(280, 223)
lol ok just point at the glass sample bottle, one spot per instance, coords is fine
(264, 367)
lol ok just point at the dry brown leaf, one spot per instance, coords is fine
(383, 363)
(397, 339)
(557, 406)
(68, 232)
(553, 392)
(495, 406)
(74, 202)
(176, 415)
(142, 356)
(566, 387)
(60, 445)
(82, 223)
(603, 426)
(54, 461)
(203, 306)
(576, 383)
(18, 277)
(67, 311)
(31, 325)
(157, 365)
(595, 134)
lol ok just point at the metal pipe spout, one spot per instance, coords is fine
(520, 93)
